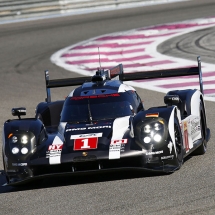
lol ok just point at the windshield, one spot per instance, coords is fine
(108, 107)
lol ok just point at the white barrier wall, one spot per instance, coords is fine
(10, 9)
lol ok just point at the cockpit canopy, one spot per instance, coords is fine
(99, 107)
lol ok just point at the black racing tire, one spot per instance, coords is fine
(203, 147)
(6, 176)
(178, 143)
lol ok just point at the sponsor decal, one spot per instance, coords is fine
(195, 122)
(186, 141)
(114, 151)
(175, 98)
(152, 115)
(54, 150)
(81, 136)
(170, 145)
(123, 141)
(195, 129)
(89, 135)
(95, 96)
(167, 157)
(75, 129)
(88, 128)
(19, 164)
(55, 147)
(154, 153)
(195, 125)
(99, 127)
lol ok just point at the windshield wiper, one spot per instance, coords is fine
(89, 111)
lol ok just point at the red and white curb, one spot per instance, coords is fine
(137, 51)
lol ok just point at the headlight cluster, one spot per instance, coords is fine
(19, 143)
(152, 131)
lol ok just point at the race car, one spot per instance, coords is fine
(103, 125)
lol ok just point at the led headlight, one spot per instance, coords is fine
(147, 139)
(15, 150)
(147, 129)
(14, 139)
(24, 139)
(24, 150)
(157, 137)
(157, 126)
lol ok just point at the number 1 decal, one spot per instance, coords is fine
(85, 146)
(86, 143)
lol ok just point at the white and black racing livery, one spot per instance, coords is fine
(103, 125)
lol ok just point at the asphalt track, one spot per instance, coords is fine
(25, 49)
(189, 45)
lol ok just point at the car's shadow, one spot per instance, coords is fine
(94, 177)
(77, 179)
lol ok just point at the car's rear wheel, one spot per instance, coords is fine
(178, 143)
(203, 147)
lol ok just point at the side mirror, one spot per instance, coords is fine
(18, 112)
(171, 100)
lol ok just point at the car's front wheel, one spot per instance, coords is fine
(178, 143)
(6, 176)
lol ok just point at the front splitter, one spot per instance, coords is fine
(34, 178)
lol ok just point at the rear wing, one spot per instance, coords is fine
(116, 73)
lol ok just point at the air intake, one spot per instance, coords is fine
(101, 75)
